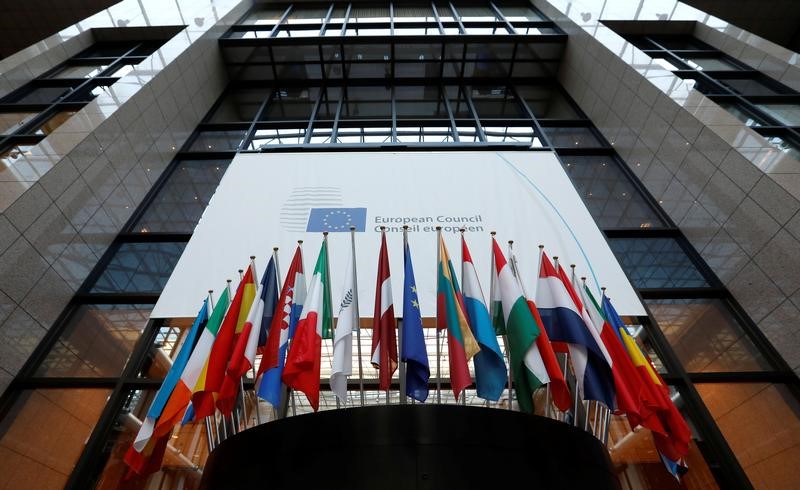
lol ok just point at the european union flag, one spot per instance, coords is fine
(337, 219)
(412, 348)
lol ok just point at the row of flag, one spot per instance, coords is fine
(287, 327)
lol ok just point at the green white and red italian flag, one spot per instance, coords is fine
(303, 362)
(527, 365)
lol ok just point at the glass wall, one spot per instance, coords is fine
(443, 94)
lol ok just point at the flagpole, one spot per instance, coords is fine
(462, 230)
(302, 263)
(438, 347)
(401, 327)
(512, 261)
(330, 302)
(280, 412)
(547, 408)
(388, 390)
(209, 433)
(358, 315)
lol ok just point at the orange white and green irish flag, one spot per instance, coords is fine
(182, 393)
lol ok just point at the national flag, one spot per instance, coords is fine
(451, 314)
(559, 390)
(303, 361)
(631, 399)
(384, 340)
(149, 459)
(412, 348)
(527, 366)
(673, 436)
(137, 461)
(244, 352)
(182, 392)
(270, 298)
(490, 369)
(564, 323)
(348, 320)
(495, 302)
(210, 380)
(675, 468)
(281, 331)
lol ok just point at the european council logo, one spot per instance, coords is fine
(337, 219)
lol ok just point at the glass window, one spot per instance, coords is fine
(761, 424)
(10, 121)
(106, 50)
(54, 122)
(788, 114)
(291, 104)
(742, 114)
(169, 339)
(681, 43)
(710, 64)
(239, 106)
(419, 101)
(139, 268)
(636, 461)
(656, 263)
(367, 103)
(495, 102)
(478, 13)
(547, 102)
(44, 433)
(96, 342)
(263, 17)
(705, 335)
(282, 136)
(749, 86)
(785, 145)
(79, 71)
(181, 201)
(365, 14)
(218, 140)
(184, 457)
(413, 13)
(40, 95)
(572, 138)
(302, 14)
(608, 193)
(520, 14)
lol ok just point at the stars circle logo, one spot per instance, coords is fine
(337, 219)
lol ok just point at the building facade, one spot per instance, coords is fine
(680, 132)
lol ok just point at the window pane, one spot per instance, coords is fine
(788, 114)
(413, 13)
(169, 339)
(710, 64)
(307, 15)
(79, 71)
(520, 13)
(54, 122)
(785, 145)
(96, 342)
(421, 101)
(41, 95)
(291, 104)
(761, 424)
(367, 103)
(476, 14)
(10, 121)
(705, 336)
(184, 458)
(106, 50)
(44, 433)
(572, 138)
(547, 103)
(495, 102)
(139, 268)
(746, 86)
(183, 198)
(742, 114)
(239, 106)
(608, 193)
(680, 42)
(263, 17)
(656, 263)
(218, 140)
(637, 464)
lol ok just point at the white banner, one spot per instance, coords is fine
(273, 200)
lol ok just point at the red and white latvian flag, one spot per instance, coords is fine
(384, 340)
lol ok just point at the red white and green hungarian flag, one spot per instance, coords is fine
(301, 372)
(527, 365)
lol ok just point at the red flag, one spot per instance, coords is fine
(203, 400)
(149, 460)
(384, 342)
